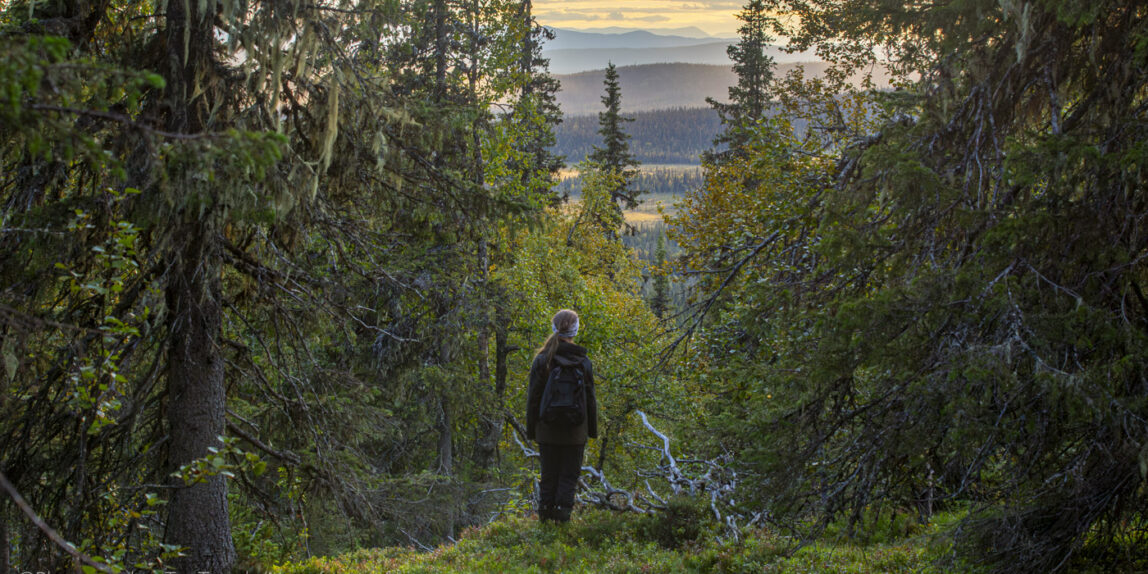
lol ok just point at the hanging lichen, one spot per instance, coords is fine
(379, 149)
(186, 31)
(332, 128)
(1021, 12)
(276, 78)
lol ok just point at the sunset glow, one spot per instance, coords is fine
(715, 17)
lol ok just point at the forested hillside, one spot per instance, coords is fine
(674, 136)
(274, 274)
(573, 51)
(664, 181)
(658, 86)
(632, 39)
(580, 60)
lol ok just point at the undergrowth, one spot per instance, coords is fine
(682, 540)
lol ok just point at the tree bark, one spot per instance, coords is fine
(501, 352)
(492, 425)
(445, 437)
(486, 447)
(446, 424)
(196, 409)
(5, 554)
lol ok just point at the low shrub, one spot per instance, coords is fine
(684, 538)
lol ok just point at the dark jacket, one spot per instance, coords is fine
(539, 431)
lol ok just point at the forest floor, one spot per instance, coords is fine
(607, 542)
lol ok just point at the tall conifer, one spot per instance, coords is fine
(660, 299)
(614, 156)
(749, 99)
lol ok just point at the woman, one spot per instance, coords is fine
(560, 444)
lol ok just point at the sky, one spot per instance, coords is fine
(715, 17)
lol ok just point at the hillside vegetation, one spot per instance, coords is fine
(682, 540)
(273, 274)
(669, 85)
(674, 136)
(631, 39)
(577, 51)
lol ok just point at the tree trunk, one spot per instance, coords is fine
(446, 459)
(197, 514)
(486, 446)
(445, 437)
(492, 426)
(501, 351)
(196, 403)
(5, 543)
(446, 425)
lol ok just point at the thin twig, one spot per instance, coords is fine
(48, 530)
(122, 119)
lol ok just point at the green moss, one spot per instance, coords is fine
(607, 542)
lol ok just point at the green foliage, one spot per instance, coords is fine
(669, 136)
(657, 181)
(750, 98)
(574, 263)
(597, 541)
(951, 302)
(331, 209)
(931, 299)
(684, 522)
(613, 156)
(660, 299)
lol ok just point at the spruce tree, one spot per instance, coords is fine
(535, 113)
(749, 99)
(614, 156)
(660, 299)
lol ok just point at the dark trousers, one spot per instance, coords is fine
(561, 467)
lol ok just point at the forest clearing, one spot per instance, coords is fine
(288, 286)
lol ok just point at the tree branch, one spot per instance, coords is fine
(47, 530)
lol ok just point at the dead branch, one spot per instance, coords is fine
(715, 480)
(48, 530)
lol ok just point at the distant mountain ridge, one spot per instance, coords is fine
(688, 31)
(573, 51)
(662, 86)
(658, 86)
(574, 61)
(636, 39)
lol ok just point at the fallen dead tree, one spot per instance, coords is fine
(713, 479)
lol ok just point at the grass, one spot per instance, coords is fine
(606, 542)
(642, 218)
(647, 212)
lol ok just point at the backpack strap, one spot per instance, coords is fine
(586, 365)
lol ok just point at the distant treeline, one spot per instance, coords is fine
(658, 180)
(644, 241)
(670, 136)
(647, 88)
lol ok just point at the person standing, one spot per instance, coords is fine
(561, 443)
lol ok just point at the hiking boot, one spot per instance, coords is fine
(546, 513)
(561, 513)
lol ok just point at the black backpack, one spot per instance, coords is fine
(564, 399)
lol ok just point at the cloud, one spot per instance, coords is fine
(551, 17)
(714, 16)
(721, 7)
